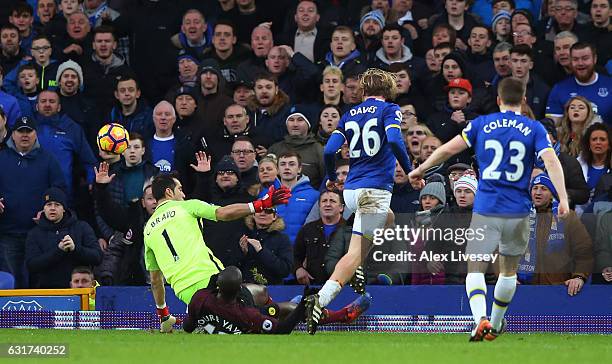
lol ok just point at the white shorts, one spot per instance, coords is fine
(509, 235)
(371, 206)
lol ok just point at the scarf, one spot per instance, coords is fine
(93, 19)
(556, 242)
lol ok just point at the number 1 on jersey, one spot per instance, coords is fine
(170, 246)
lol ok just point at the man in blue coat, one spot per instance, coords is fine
(27, 171)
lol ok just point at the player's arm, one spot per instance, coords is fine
(274, 197)
(555, 172)
(442, 154)
(166, 320)
(392, 121)
(329, 153)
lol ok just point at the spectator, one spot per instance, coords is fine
(586, 82)
(295, 73)
(76, 40)
(212, 100)
(409, 116)
(406, 92)
(487, 10)
(75, 104)
(599, 29)
(328, 121)
(132, 111)
(103, 69)
(262, 42)
(595, 155)
(268, 109)
(501, 26)
(603, 245)
(563, 66)
(428, 146)
(22, 16)
(59, 243)
(370, 34)
(578, 116)
(243, 91)
(266, 250)
(559, 251)
(225, 51)
(28, 89)
(222, 188)
(413, 138)
(4, 132)
(243, 153)
(57, 25)
(575, 184)
(188, 66)
(394, 50)
(501, 62)
(456, 15)
(352, 93)
(343, 52)
(309, 39)
(249, 14)
(565, 13)
(524, 33)
(35, 170)
(479, 52)
(185, 103)
(314, 239)
(331, 88)
(404, 198)
(521, 64)
(123, 263)
(45, 66)
(171, 150)
(235, 124)
(342, 169)
(193, 38)
(268, 174)
(82, 277)
(10, 52)
(303, 196)
(64, 138)
(299, 139)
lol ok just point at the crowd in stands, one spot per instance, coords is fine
(236, 96)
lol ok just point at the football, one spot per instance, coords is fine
(113, 138)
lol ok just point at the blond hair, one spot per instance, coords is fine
(376, 82)
(333, 70)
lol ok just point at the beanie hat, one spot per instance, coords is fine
(502, 14)
(186, 90)
(467, 181)
(298, 110)
(227, 164)
(184, 54)
(54, 194)
(543, 179)
(435, 189)
(210, 65)
(376, 15)
(69, 65)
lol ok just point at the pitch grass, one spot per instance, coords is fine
(136, 347)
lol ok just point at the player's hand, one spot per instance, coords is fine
(203, 162)
(606, 273)
(416, 178)
(166, 320)
(302, 276)
(1, 205)
(273, 198)
(458, 116)
(563, 209)
(574, 286)
(102, 176)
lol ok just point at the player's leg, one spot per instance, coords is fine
(515, 238)
(486, 239)
(260, 294)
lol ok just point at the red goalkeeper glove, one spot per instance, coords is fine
(273, 198)
(166, 320)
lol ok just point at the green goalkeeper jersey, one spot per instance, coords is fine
(175, 246)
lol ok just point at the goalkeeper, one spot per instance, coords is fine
(174, 246)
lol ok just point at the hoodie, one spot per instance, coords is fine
(303, 197)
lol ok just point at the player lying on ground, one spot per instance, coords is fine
(174, 246)
(235, 308)
(506, 145)
(372, 130)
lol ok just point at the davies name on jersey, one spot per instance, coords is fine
(363, 110)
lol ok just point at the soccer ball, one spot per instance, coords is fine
(113, 138)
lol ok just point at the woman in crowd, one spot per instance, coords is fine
(578, 116)
(268, 174)
(328, 121)
(595, 155)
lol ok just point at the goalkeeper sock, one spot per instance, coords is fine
(329, 291)
(476, 289)
(330, 317)
(504, 291)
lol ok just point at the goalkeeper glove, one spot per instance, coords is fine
(272, 198)
(166, 320)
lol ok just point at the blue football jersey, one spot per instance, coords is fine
(506, 145)
(599, 93)
(372, 162)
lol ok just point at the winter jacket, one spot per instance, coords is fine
(405, 199)
(574, 257)
(575, 183)
(27, 104)
(141, 121)
(300, 80)
(23, 181)
(123, 263)
(311, 152)
(446, 129)
(274, 261)
(416, 64)
(303, 197)
(64, 138)
(311, 248)
(228, 66)
(269, 122)
(222, 237)
(319, 47)
(51, 267)
(83, 111)
(46, 75)
(537, 95)
(100, 80)
(603, 242)
(11, 108)
(210, 113)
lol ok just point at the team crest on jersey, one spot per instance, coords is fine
(573, 94)
(603, 92)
